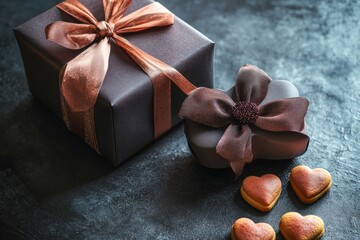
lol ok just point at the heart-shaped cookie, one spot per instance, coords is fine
(310, 184)
(246, 229)
(293, 226)
(261, 192)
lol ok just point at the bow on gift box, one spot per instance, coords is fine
(215, 109)
(82, 77)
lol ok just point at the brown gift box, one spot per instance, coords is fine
(124, 108)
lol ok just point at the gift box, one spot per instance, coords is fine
(258, 118)
(124, 108)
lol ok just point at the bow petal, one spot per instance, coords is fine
(252, 84)
(152, 15)
(83, 76)
(115, 9)
(235, 146)
(208, 106)
(78, 11)
(283, 115)
(71, 35)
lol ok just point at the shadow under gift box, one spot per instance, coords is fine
(124, 108)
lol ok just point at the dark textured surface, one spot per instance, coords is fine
(52, 186)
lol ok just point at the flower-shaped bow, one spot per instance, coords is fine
(82, 77)
(216, 109)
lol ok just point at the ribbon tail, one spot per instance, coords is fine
(80, 83)
(235, 146)
(160, 75)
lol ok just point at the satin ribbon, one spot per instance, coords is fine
(215, 109)
(82, 77)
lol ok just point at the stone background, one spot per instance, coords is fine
(52, 186)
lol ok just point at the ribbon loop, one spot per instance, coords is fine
(78, 11)
(115, 9)
(71, 35)
(251, 84)
(208, 106)
(283, 115)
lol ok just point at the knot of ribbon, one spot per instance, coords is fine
(216, 109)
(82, 77)
(104, 29)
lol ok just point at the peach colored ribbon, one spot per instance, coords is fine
(82, 77)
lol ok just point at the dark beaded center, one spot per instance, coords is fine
(245, 112)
